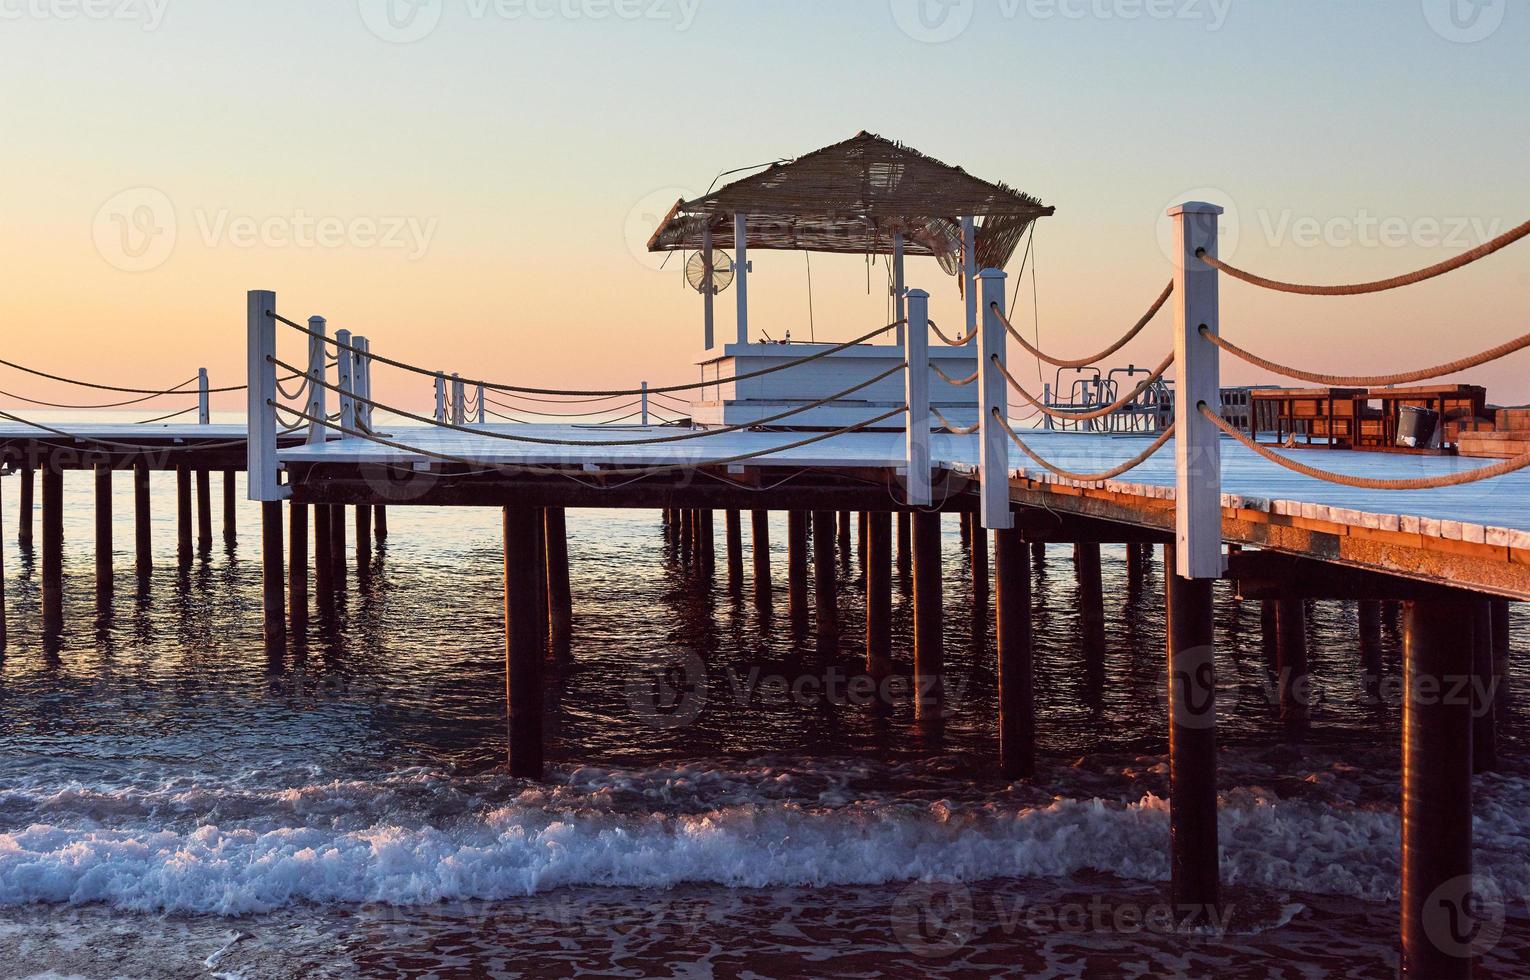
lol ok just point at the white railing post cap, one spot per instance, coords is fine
(992, 274)
(918, 294)
(1196, 207)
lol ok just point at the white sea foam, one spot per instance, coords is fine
(355, 842)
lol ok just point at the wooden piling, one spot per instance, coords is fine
(142, 521)
(685, 531)
(183, 517)
(862, 545)
(560, 601)
(964, 529)
(735, 546)
(380, 523)
(539, 538)
(878, 564)
(230, 509)
(929, 652)
(905, 550)
(338, 560)
(297, 567)
(1135, 568)
(797, 564)
(1291, 664)
(759, 546)
(706, 541)
(1484, 720)
(978, 562)
(323, 565)
(1192, 741)
(24, 512)
(1501, 649)
(1017, 697)
(1039, 555)
(363, 537)
(1091, 602)
(1436, 793)
(53, 548)
(825, 581)
(105, 575)
(523, 650)
(1368, 614)
(271, 545)
(3, 636)
(204, 511)
(844, 542)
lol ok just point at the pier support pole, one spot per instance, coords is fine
(845, 543)
(143, 545)
(1017, 697)
(104, 572)
(1192, 742)
(323, 566)
(735, 540)
(1291, 664)
(759, 546)
(905, 551)
(560, 599)
(337, 557)
(297, 568)
(53, 548)
(183, 517)
(273, 580)
(3, 638)
(363, 537)
(523, 650)
(979, 559)
(204, 511)
(1135, 563)
(544, 618)
(1436, 793)
(1484, 719)
(230, 510)
(929, 653)
(825, 581)
(685, 530)
(706, 539)
(1039, 555)
(797, 564)
(24, 512)
(1368, 612)
(1501, 648)
(878, 564)
(1091, 603)
(380, 523)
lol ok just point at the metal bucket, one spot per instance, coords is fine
(1415, 426)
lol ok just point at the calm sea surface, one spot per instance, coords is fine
(173, 804)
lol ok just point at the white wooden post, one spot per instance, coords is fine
(440, 397)
(741, 273)
(345, 375)
(261, 462)
(645, 403)
(483, 412)
(318, 395)
(204, 415)
(708, 293)
(900, 301)
(1197, 443)
(917, 388)
(970, 271)
(459, 401)
(361, 384)
(993, 397)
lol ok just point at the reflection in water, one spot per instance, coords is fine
(154, 759)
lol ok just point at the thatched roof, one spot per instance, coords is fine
(851, 197)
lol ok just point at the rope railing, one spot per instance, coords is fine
(1381, 285)
(629, 406)
(549, 441)
(962, 342)
(1372, 380)
(1086, 415)
(638, 471)
(173, 415)
(179, 389)
(953, 428)
(1367, 483)
(611, 393)
(1110, 474)
(1080, 362)
(121, 404)
(958, 382)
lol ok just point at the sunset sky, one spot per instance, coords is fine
(514, 157)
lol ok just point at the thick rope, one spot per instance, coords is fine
(949, 426)
(1374, 380)
(165, 418)
(1109, 474)
(1079, 362)
(639, 471)
(963, 342)
(1366, 483)
(959, 382)
(177, 390)
(1359, 289)
(35, 401)
(613, 393)
(1086, 415)
(561, 415)
(654, 440)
